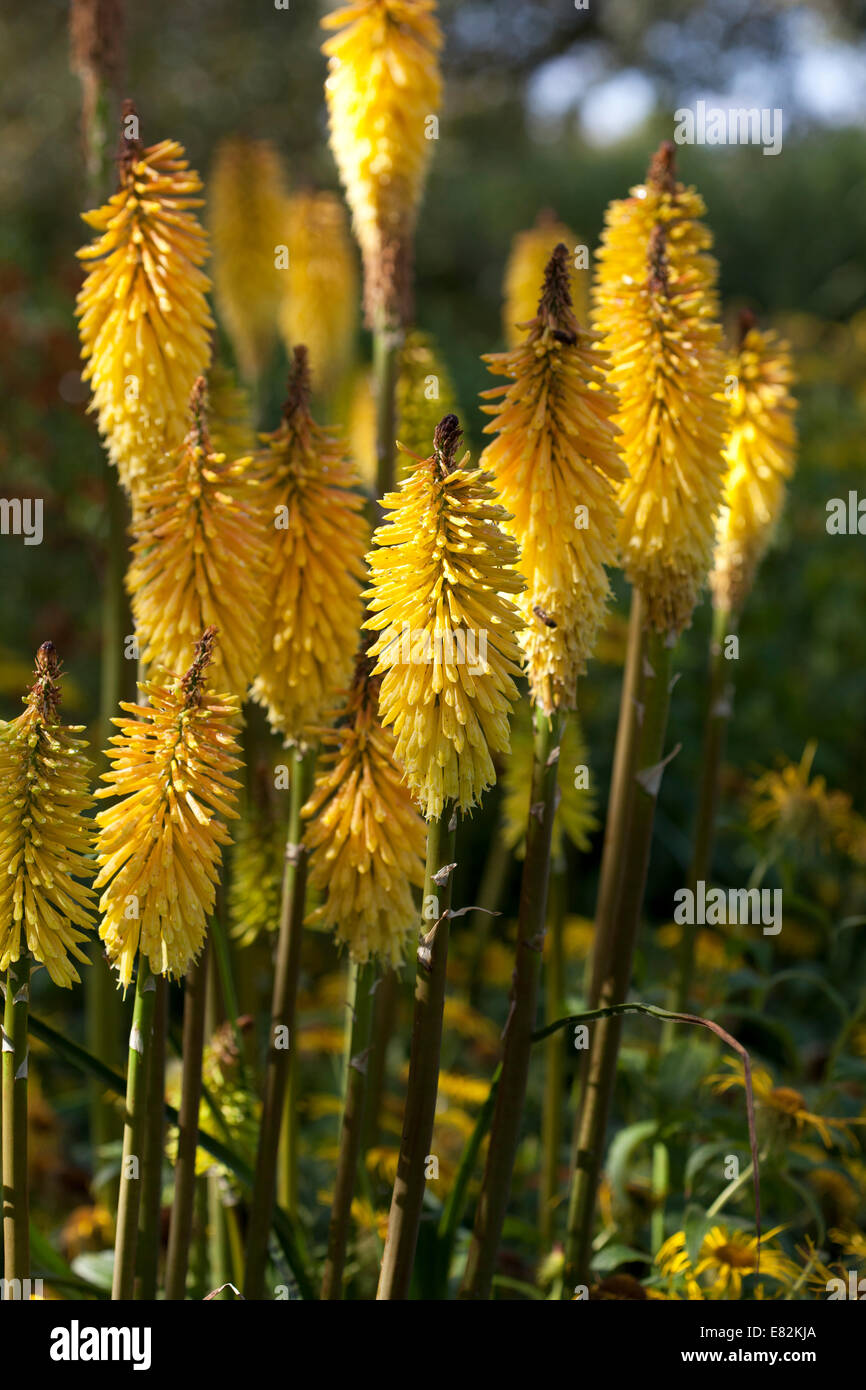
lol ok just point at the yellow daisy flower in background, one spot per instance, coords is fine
(310, 625)
(202, 539)
(759, 455)
(248, 218)
(143, 315)
(320, 291)
(725, 1259)
(557, 469)
(160, 844)
(382, 89)
(442, 572)
(524, 272)
(783, 1103)
(800, 809)
(365, 838)
(657, 308)
(47, 838)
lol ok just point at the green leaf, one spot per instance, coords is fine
(612, 1256)
(622, 1151)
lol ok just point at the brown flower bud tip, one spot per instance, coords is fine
(299, 388)
(747, 322)
(662, 171)
(45, 691)
(446, 441)
(198, 407)
(658, 261)
(130, 147)
(555, 303)
(192, 683)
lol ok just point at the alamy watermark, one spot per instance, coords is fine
(738, 125)
(700, 906)
(22, 516)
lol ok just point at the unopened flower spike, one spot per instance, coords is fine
(160, 844)
(442, 572)
(365, 836)
(657, 309)
(46, 838)
(527, 262)
(319, 295)
(314, 610)
(557, 469)
(383, 88)
(202, 538)
(759, 454)
(143, 315)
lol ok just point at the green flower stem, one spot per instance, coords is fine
(180, 1229)
(511, 1093)
(719, 704)
(615, 952)
(150, 1207)
(361, 987)
(407, 1198)
(288, 966)
(554, 1060)
(16, 1197)
(140, 1037)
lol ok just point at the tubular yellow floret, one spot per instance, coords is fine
(46, 837)
(143, 314)
(248, 218)
(383, 84)
(202, 544)
(557, 470)
(160, 844)
(760, 459)
(314, 610)
(319, 307)
(656, 306)
(442, 570)
(365, 837)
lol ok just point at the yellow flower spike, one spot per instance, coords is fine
(760, 459)
(557, 470)
(160, 844)
(231, 422)
(366, 839)
(524, 272)
(143, 315)
(576, 806)
(202, 541)
(320, 294)
(656, 306)
(383, 86)
(314, 611)
(46, 837)
(248, 218)
(442, 572)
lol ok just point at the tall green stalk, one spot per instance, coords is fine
(150, 1207)
(387, 343)
(554, 1058)
(180, 1229)
(140, 1038)
(422, 1087)
(288, 965)
(16, 1197)
(511, 1093)
(719, 706)
(362, 980)
(612, 974)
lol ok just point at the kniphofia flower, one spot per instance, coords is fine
(45, 835)
(143, 313)
(524, 272)
(248, 218)
(311, 621)
(656, 306)
(319, 305)
(160, 843)
(365, 837)
(557, 470)
(383, 86)
(442, 571)
(760, 459)
(202, 544)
